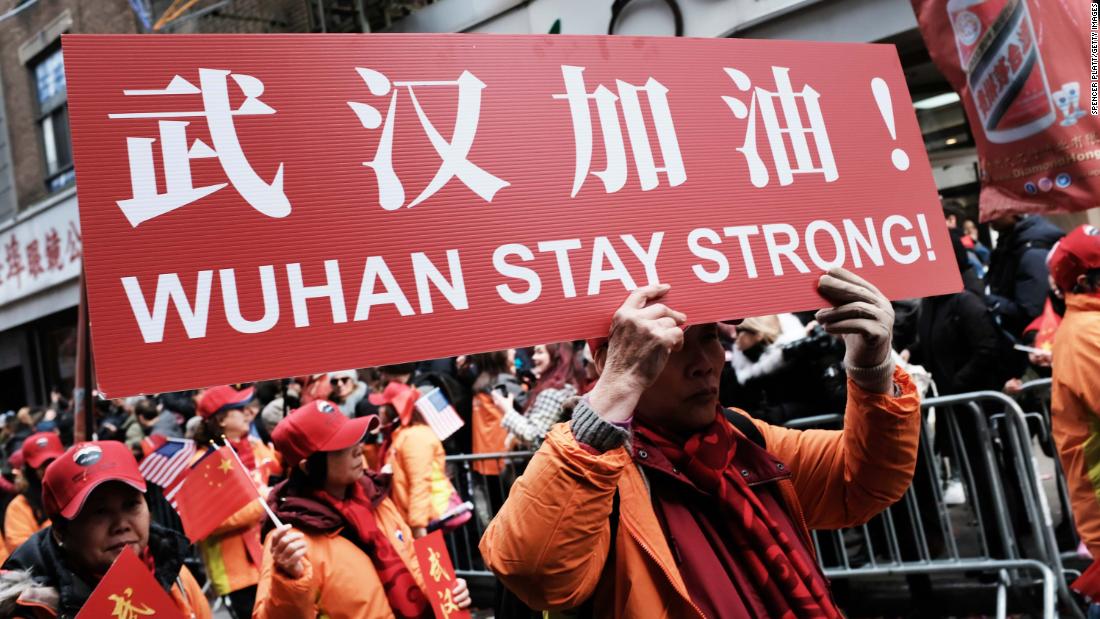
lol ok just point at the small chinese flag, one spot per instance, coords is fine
(214, 490)
(129, 590)
(439, 575)
(1045, 327)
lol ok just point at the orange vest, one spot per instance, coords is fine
(488, 434)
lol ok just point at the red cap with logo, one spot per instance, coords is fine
(223, 398)
(1076, 254)
(70, 479)
(42, 447)
(319, 426)
(403, 398)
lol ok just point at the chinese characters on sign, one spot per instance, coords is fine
(431, 553)
(147, 203)
(40, 252)
(271, 200)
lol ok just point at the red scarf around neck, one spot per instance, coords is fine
(406, 599)
(243, 447)
(786, 580)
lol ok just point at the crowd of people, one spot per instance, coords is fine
(350, 465)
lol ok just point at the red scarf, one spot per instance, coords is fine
(786, 580)
(243, 446)
(406, 599)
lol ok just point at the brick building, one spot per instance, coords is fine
(40, 245)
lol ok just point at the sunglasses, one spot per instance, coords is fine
(337, 381)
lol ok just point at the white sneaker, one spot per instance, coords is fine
(954, 493)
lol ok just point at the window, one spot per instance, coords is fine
(53, 119)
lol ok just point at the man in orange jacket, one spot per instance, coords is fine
(1075, 393)
(707, 522)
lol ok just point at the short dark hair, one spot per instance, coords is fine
(146, 408)
(1092, 282)
(955, 209)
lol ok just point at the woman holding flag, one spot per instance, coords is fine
(415, 456)
(25, 514)
(95, 496)
(343, 549)
(232, 553)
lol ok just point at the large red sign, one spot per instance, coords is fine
(264, 206)
(1022, 70)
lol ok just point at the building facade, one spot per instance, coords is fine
(40, 242)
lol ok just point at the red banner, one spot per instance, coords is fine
(1021, 68)
(439, 576)
(263, 206)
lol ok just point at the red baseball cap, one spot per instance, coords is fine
(319, 426)
(223, 398)
(1076, 254)
(70, 479)
(40, 447)
(403, 398)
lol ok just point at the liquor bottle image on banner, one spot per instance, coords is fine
(1000, 55)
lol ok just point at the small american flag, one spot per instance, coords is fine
(165, 466)
(439, 413)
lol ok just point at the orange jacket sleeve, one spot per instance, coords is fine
(551, 538)
(19, 523)
(415, 454)
(279, 596)
(845, 477)
(192, 598)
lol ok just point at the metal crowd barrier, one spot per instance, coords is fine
(993, 547)
(995, 539)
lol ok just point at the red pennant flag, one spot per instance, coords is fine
(439, 576)
(128, 590)
(214, 490)
(1046, 326)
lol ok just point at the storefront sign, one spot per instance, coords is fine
(1021, 68)
(266, 206)
(40, 252)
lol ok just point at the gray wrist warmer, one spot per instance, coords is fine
(877, 378)
(590, 429)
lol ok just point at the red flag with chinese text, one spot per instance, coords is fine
(129, 590)
(215, 489)
(439, 576)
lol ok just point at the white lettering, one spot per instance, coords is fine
(534, 284)
(723, 270)
(300, 293)
(375, 269)
(232, 303)
(169, 287)
(453, 290)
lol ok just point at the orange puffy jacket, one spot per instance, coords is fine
(339, 581)
(550, 541)
(488, 434)
(421, 489)
(1075, 411)
(20, 523)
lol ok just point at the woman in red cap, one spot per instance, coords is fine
(415, 456)
(25, 514)
(232, 553)
(94, 494)
(344, 550)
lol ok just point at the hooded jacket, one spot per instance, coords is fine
(550, 542)
(1018, 271)
(1075, 412)
(339, 580)
(43, 585)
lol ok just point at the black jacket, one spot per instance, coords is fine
(958, 343)
(44, 559)
(1017, 275)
